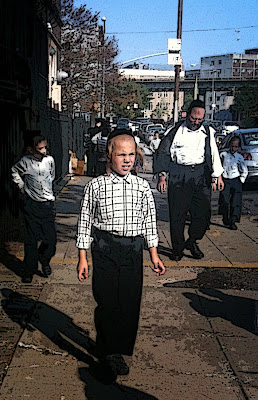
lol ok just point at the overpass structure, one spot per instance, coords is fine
(203, 84)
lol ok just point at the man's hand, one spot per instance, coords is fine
(22, 191)
(162, 184)
(214, 186)
(220, 184)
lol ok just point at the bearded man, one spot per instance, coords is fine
(188, 161)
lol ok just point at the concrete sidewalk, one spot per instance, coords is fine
(197, 336)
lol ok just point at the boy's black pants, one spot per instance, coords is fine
(117, 289)
(39, 220)
(230, 200)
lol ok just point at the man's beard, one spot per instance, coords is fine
(190, 125)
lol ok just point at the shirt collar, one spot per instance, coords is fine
(117, 178)
(201, 129)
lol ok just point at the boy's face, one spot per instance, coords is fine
(234, 146)
(41, 149)
(123, 154)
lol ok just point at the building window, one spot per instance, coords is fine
(212, 63)
(219, 61)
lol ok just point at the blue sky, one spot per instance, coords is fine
(141, 26)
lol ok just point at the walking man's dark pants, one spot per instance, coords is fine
(39, 220)
(189, 190)
(117, 289)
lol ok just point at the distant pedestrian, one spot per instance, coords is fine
(117, 214)
(34, 175)
(234, 175)
(155, 142)
(100, 142)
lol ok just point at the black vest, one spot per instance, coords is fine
(162, 158)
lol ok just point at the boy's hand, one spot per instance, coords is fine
(22, 191)
(83, 270)
(158, 265)
(220, 184)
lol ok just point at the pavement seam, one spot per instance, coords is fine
(216, 336)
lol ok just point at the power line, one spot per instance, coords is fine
(186, 31)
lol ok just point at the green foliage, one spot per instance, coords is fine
(87, 56)
(125, 95)
(188, 98)
(245, 107)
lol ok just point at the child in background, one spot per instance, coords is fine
(234, 175)
(34, 175)
(117, 214)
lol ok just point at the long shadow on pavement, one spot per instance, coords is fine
(240, 311)
(61, 330)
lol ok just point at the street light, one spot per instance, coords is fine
(103, 19)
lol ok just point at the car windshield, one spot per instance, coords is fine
(250, 139)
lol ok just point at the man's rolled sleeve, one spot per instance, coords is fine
(217, 168)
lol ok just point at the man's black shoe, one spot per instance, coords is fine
(175, 255)
(194, 249)
(233, 226)
(46, 269)
(117, 363)
(27, 278)
(225, 221)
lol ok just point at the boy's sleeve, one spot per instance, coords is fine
(84, 239)
(243, 170)
(52, 169)
(150, 223)
(18, 170)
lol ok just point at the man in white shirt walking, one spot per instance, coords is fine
(188, 153)
(34, 175)
(234, 175)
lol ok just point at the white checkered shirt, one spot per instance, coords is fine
(123, 206)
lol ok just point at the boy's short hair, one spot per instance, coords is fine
(111, 143)
(235, 138)
(33, 138)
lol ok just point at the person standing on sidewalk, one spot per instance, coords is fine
(155, 142)
(117, 214)
(234, 175)
(34, 174)
(188, 153)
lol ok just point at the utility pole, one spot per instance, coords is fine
(103, 100)
(178, 67)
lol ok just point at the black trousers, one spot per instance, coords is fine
(188, 191)
(39, 220)
(230, 200)
(117, 289)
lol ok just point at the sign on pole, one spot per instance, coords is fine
(174, 51)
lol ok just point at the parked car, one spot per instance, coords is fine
(123, 123)
(229, 126)
(154, 127)
(248, 149)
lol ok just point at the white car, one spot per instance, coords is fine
(228, 127)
